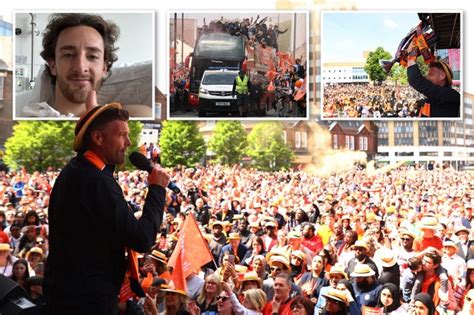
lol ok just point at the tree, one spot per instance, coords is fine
(422, 65)
(267, 148)
(38, 145)
(399, 74)
(228, 142)
(135, 130)
(372, 66)
(181, 143)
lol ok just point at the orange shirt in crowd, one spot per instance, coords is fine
(421, 243)
(285, 308)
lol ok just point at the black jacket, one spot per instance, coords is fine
(443, 100)
(87, 259)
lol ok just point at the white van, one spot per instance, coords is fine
(215, 93)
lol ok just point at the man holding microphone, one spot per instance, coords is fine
(91, 225)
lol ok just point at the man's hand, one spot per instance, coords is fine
(149, 267)
(159, 177)
(276, 304)
(307, 288)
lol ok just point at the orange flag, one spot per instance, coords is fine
(178, 278)
(191, 248)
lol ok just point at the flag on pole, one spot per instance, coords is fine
(191, 251)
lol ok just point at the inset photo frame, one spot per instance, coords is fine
(61, 56)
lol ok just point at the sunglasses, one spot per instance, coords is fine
(275, 269)
(406, 239)
(222, 298)
(40, 242)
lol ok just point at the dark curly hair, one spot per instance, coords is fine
(58, 22)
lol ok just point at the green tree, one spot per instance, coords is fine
(372, 66)
(267, 148)
(228, 142)
(38, 145)
(181, 143)
(399, 74)
(422, 65)
(135, 130)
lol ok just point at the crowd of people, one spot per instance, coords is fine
(361, 100)
(258, 30)
(396, 241)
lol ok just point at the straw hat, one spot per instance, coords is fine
(336, 295)
(449, 244)
(276, 252)
(461, 228)
(252, 276)
(233, 236)
(360, 244)
(86, 119)
(270, 223)
(5, 247)
(171, 288)
(337, 269)
(159, 256)
(470, 264)
(429, 223)
(299, 254)
(254, 225)
(280, 259)
(362, 271)
(293, 235)
(387, 258)
(36, 250)
(408, 233)
(218, 223)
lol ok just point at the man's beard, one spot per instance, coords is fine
(363, 286)
(77, 95)
(361, 257)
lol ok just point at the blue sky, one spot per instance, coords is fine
(346, 35)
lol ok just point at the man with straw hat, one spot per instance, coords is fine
(428, 226)
(90, 283)
(234, 247)
(442, 99)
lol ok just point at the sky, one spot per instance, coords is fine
(346, 35)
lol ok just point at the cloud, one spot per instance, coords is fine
(391, 24)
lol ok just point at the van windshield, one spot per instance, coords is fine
(224, 78)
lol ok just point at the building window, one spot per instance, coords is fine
(352, 144)
(363, 143)
(347, 142)
(334, 142)
(284, 136)
(304, 140)
(297, 139)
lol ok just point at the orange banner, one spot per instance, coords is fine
(191, 248)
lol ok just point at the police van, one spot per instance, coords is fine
(215, 93)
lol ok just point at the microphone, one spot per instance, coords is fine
(142, 163)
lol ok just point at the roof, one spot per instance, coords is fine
(447, 26)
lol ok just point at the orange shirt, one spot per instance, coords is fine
(285, 308)
(421, 243)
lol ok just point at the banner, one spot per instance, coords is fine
(192, 249)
